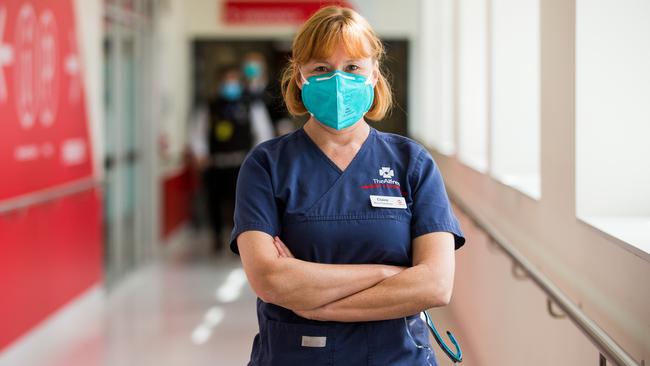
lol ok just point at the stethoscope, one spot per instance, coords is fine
(455, 357)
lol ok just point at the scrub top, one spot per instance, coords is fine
(288, 187)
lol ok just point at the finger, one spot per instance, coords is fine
(278, 244)
(280, 250)
(285, 248)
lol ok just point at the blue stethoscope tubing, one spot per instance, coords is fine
(454, 356)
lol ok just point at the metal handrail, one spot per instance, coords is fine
(45, 196)
(605, 344)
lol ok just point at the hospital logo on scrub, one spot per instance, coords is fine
(386, 172)
(387, 182)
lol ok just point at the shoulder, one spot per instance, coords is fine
(404, 146)
(275, 149)
(418, 160)
(399, 141)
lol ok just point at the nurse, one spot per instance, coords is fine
(345, 233)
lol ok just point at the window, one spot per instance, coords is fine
(472, 84)
(515, 99)
(437, 76)
(613, 117)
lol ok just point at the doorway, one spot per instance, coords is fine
(128, 152)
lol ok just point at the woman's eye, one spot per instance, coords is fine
(353, 67)
(320, 69)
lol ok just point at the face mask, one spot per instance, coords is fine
(252, 69)
(231, 90)
(337, 99)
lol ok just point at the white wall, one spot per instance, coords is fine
(172, 92)
(613, 107)
(388, 18)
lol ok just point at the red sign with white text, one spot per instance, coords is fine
(257, 12)
(44, 139)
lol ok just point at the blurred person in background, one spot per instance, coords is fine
(268, 114)
(255, 82)
(221, 136)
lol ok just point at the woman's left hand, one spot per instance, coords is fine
(283, 251)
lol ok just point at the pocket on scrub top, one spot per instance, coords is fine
(417, 331)
(296, 344)
(419, 334)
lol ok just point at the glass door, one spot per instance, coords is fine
(125, 174)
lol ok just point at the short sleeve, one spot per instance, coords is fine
(431, 209)
(255, 206)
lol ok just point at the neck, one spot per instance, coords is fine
(324, 135)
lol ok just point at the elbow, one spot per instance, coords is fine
(267, 289)
(263, 286)
(438, 289)
(437, 295)
(281, 293)
(444, 298)
(274, 289)
(265, 294)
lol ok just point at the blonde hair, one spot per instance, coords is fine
(317, 39)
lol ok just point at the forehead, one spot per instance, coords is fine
(231, 74)
(254, 56)
(343, 44)
(341, 54)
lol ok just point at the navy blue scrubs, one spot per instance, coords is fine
(288, 187)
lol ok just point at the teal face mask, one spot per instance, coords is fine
(252, 69)
(337, 99)
(231, 90)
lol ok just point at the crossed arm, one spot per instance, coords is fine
(350, 292)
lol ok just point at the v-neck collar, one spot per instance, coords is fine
(364, 146)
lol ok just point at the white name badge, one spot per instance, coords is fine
(308, 341)
(387, 201)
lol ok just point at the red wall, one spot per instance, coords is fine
(176, 200)
(49, 254)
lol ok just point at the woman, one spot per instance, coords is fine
(346, 233)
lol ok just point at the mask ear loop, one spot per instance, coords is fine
(368, 80)
(304, 81)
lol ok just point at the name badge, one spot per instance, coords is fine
(387, 201)
(319, 342)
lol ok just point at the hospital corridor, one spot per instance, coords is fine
(324, 182)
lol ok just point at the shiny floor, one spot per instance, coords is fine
(190, 308)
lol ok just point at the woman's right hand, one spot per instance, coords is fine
(390, 271)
